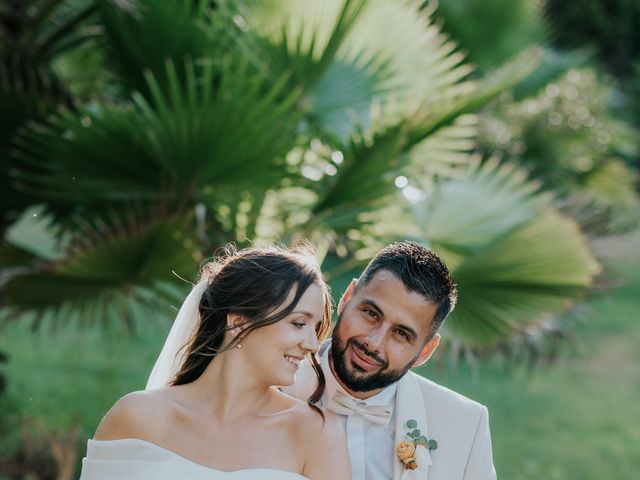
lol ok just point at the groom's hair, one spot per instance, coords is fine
(421, 271)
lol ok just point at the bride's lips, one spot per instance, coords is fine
(294, 361)
(362, 360)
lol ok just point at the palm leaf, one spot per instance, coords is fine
(12, 256)
(446, 151)
(37, 31)
(120, 266)
(31, 34)
(299, 37)
(486, 201)
(491, 31)
(343, 63)
(183, 144)
(514, 258)
(374, 158)
(520, 280)
(142, 35)
(27, 93)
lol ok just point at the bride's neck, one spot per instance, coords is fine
(231, 389)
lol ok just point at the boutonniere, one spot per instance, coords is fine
(406, 451)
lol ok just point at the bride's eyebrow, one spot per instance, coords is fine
(302, 312)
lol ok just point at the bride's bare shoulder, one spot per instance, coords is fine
(136, 415)
(327, 452)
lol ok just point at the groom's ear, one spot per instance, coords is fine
(346, 296)
(427, 350)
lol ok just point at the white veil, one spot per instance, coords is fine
(169, 362)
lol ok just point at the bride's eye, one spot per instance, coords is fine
(298, 325)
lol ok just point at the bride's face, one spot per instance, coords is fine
(276, 350)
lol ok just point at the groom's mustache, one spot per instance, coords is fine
(374, 356)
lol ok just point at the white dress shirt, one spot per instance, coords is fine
(370, 445)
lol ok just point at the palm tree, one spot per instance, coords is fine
(229, 121)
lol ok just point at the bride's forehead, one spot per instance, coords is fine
(312, 296)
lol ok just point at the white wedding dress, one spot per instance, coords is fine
(134, 459)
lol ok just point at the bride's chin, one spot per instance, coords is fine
(286, 382)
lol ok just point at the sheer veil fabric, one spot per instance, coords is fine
(171, 358)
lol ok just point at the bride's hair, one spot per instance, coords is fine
(252, 283)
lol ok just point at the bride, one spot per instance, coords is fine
(212, 410)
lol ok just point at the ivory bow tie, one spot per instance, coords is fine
(344, 405)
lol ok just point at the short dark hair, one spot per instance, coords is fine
(421, 271)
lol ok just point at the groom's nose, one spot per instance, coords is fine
(374, 340)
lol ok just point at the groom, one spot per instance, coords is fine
(399, 425)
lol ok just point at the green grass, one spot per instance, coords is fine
(575, 419)
(72, 376)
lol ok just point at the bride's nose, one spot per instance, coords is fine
(310, 341)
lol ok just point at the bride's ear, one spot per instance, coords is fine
(235, 321)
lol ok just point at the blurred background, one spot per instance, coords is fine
(139, 136)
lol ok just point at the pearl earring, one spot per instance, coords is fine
(234, 330)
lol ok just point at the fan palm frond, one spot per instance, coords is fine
(182, 144)
(117, 265)
(515, 259)
(446, 151)
(143, 35)
(486, 201)
(31, 35)
(37, 31)
(374, 158)
(27, 93)
(521, 279)
(343, 63)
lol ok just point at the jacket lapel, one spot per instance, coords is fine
(410, 406)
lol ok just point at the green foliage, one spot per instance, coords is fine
(568, 137)
(235, 121)
(609, 29)
(514, 258)
(144, 35)
(108, 273)
(492, 31)
(145, 134)
(30, 88)
(609, 26)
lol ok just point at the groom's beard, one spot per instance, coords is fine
(354, 379)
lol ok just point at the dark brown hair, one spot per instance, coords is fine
(421, 271)
(252, 283)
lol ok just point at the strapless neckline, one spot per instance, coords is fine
(177, 456)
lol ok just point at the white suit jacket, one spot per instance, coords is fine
(458, 424)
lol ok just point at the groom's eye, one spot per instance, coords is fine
(371, 313)
(404, 335)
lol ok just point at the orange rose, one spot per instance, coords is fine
(411, 465)
(406, 452)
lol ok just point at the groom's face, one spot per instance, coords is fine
(382, 331)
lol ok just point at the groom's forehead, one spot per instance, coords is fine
(386, 290)
(380, 282)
